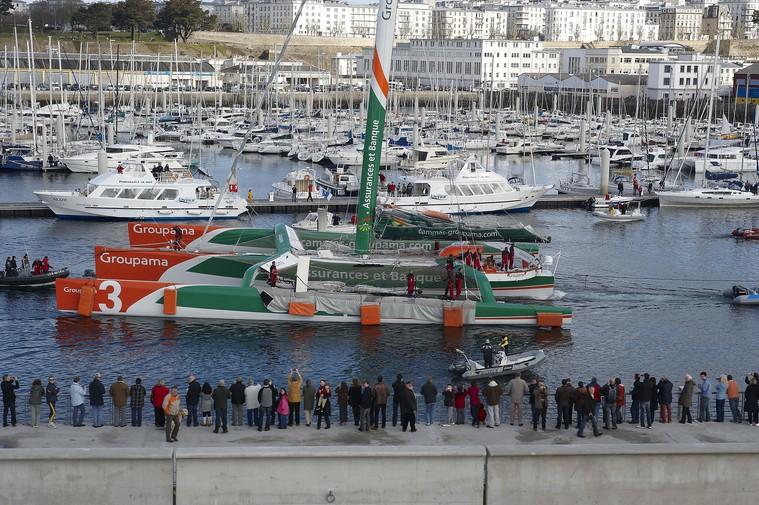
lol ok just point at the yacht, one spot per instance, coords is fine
(137, 192)
(339, 182)
(721, 159)
(708, 197)
(427, 158)
(472, 189)
(331, 223)
(301, 180)
(618, 155)
(118, 154)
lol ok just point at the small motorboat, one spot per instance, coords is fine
(603, 202)
(502, 364)
(742, 295)
(622, 213)
(24, 280)
(746, 233)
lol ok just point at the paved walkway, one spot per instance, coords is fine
(108, 436)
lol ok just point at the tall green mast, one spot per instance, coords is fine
(375, 122)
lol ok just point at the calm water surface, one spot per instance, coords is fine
(646, 296)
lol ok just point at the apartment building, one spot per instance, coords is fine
(632, 59)
(467, 63)
(680, 23)
(741, 12)
(688, 76)
(525, 21)
(589, 24)
(469, 23)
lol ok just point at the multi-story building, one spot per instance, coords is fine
(525, 21)
(468, 23)
(742, 11)
(746, 84)
(690, 75)
(230, 14)
(466, 62)
(589, 24)
(716, 21)
(335, 18)
(680, 23)
(611, 60)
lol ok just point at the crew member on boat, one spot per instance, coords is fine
(459, 283)
(250, 196)
(512, 251)
(45, 265)
(487, 354)
(505, 345)
(273, 274)
(25, 264)
(410, 285)
(37, 267)
(449, 286)
(477, 260)
(177, 243)
(505, 258)
(120, 169)
(449, 264)
(335, 220)
(468, 258)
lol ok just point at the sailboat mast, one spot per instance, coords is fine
(375, 123)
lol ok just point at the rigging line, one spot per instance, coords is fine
(688, 279)
(261, 97)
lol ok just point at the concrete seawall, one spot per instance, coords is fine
(548, 475)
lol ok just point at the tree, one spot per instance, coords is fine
(181, 18)
(93, 18)
(6, 6)
(134, 15)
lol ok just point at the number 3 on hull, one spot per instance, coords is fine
(109, 296)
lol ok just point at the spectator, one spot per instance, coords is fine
(475, 405)
(398, 387)
(563, 397)
(354, 398)
(283, 409)
(206, 404)
(137, 401)
(609, 397)
(252, 406)
(540, 406)
(97, 395)
(266, 400)
(220, 396)
(119, 392)
(367, 399)
(342, 402)
(192, 398)
(733, 397)
(751, 395)
(686, 399)
(720, 390)
(621, 400)
(76, 392)
(323, 406)
(9, 387)
(172, 410)
(664, 392)
(309, 397)
(381, 394)
(459, 401)
(237, 395)
(51, 394)
(448, 403)
(408, 408)
(35, 400)
(429, 393)
(157, 394)
(705, 394)
(294, 385)
(492, 393)
(516, 389)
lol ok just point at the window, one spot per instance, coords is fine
(682, 81)
(110, 193)
(129, 193)
(667, 69)
(149, 194)
(465, 190)
(666, 81)
(168, 194)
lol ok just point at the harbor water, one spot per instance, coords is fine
(646, 297)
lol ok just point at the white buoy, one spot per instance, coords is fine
(604, 171)
(102, 161)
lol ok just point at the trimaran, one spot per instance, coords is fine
(254, 299)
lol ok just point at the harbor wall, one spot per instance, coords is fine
(547, 474)
(86, 476)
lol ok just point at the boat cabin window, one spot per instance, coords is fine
(116, 150)
(475, 189)
(129, 193)
(168, 194)
(496, 187)
(465, 190)
(149, 194)
(421, 189)
(422, 156)
(109, 192)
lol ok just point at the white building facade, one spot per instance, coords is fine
(469, 23)
(689, 76)
(680, 23)
(466, 63)
(525, 21)
(741, 12)
(590, 24)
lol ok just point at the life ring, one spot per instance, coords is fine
(307, 178)
(233, 188)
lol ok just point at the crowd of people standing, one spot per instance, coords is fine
(262, 405)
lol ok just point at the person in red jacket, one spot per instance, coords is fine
(273, 275)
(459, 401)
(475, 405)
(477, 263)
(620, 400)
(410, 285)
(459, 283)
(157, 394)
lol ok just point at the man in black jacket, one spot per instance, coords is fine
(367, 400)
(635, 397)
(97, 394)
(408, 406)
(645, 394)
(398, 387)
(237, 391)
(220, 396)
(563, 397)
(192, 399)
(9, 387)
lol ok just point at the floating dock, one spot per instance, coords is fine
(340, 204)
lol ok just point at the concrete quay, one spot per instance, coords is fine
(339, 204)
(699, 463)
